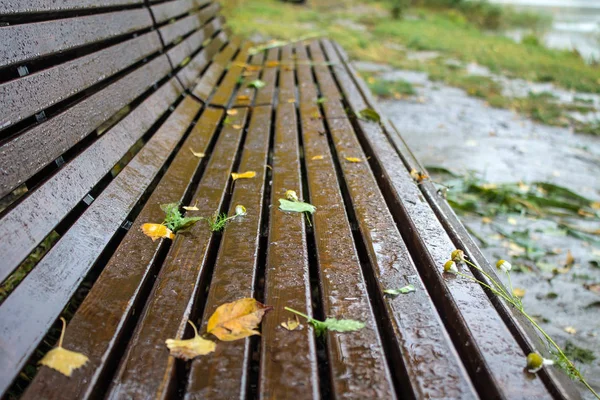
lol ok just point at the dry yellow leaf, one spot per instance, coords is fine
(319, 157)
(519, 292)
(243, 98)
(191, 208)
(291, 324)
(237, 320)
(61, 359)
(243, 175)
(253, 67)
(236, 126)
(596, 205)
(291, 100)
(232, 111)
(571, 330)
(190, 348)
(486, 220)
(418, 175)
(271, 63)
(157, 231)
(353, 159)
(570, 259)
(197, 153)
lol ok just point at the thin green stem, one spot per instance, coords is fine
(496, 284)
(298, 312)
(501, 294)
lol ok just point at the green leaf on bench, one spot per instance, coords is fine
(368, 114)
(403, 290)
(256, 84)
(331, 324)
(296, 206)
(174, 220)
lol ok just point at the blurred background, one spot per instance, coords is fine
(500, 101)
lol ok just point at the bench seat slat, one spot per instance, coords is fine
(224, 374)
(15, 7)
(227, 86)
(287, 88)
(34, 305)
(287, 357)
(211, 76)
(145, 372)
(496, 359)
(190, 74)
(27, 224)
(356, 359)
(245, 95)
(27, 42)
(119, 290)
(33, 93)
(171, 9)
(34, 149)
(266, 95)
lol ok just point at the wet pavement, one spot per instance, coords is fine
(445, 127)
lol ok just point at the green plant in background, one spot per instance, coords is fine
(534, 360)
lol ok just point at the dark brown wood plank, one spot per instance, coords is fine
(192, 43)
(147, 370)
(357, 363)
(413, 317)
(211, 76)
(266, 95)
(185, 25)
(306, 86)
(326, 81)
(13, 7)
(224, 373)
(26, 42)
(31, 151)
(190, 73)
(488, 349)
(230, 81)
(288, 358)
(245, 95)
(119, 290)
(171, 9)
(30, 310)
(287, 84)
(30, 94)
(26, 225)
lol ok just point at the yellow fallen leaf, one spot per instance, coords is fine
(253, 67)
(157, 231)
(61, 359)
(237, 320)
(191, 208)
(243, 175)
(486, 220)
(519, 292)
(243, 98)
(570, 330)
(596, 205)
(418, 175)
(236, 126)
(271, 63)
(232, 111)
(353, 159)
(291, 100)
(291, 324)
(570, 259)
(319, 157)
(190, 348)
(197, 153)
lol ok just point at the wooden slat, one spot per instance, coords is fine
(209, 79)
(191, 72)
(325, 78)
(288, 358)
(224, 373)
(185, 25)
(31, 151)
(26, 96)
(287, 88)
(266, 95)
(227, 86)
(120, 289)
(306, 86)
(413, 317)
(245, 94)
(356, 359)
(192, 43)
(15, 7)
(30, 310)
(490, 352)
(27, 42)
(147, 370)
(171, 9)
(26, 225)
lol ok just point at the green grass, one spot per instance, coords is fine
(387, 89)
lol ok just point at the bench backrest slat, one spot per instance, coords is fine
(18, 7)
(171, 9)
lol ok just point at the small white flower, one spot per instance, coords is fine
(291, 195)
(240, 210)
(458, 256)
(450, 266)
(503, 265)
(535, 362)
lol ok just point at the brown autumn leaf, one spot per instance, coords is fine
(272, 64)
(157, 231)
(190, 348)
(63, 360)
(237, 320)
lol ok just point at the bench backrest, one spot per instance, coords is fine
(85, 87)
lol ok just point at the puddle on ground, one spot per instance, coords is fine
(445, 127)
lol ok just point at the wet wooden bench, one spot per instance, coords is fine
(102, 103)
